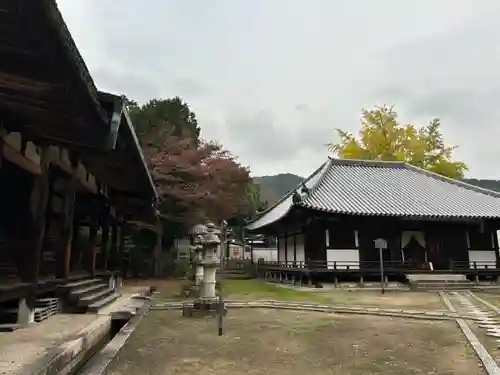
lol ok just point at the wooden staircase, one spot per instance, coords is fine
(88, 295)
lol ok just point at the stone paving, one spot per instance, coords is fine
(301, 306)
(487, 322)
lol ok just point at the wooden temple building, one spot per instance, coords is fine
(431, 224)
(71, 169)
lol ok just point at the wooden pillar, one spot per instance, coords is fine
(39, 201)
(286, 248)
(278, 247)
(294, 247)
(2, 142)
(103, 261)
(69, 216)
(121, 251)
(91, 246)
(113, 256)
(494, 239)
(76, 251)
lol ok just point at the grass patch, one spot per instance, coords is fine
(257, 290)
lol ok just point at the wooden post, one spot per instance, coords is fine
(294, 249)
(495, 246)
(278, 248)
(113, 256)
(39, 201)
(1, 148)
(69, 216)
(91, 246)
(286, 249)
(103, 263)
(121, 251)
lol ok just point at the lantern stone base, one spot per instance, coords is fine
(203, 307)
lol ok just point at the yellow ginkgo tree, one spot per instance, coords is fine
(382, 137)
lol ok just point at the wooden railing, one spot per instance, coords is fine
(337, 265)
(474, 265)
(374, 266)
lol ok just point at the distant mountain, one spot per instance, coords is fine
(274, 187)
(485, 184)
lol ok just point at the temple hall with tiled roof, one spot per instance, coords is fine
(428, 221)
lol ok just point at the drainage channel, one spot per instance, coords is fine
(103, 353)
(91, 350)
(117, 323)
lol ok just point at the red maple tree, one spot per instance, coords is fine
(198, 182)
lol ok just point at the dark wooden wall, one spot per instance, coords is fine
(445, 241)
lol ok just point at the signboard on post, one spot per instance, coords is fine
(381, 245)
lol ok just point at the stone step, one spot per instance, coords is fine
(435, 277)
(443, 283)
(232, 271)
(80, 284)
(103, 302)
(94, 297)
(10, 327)
(86, 290)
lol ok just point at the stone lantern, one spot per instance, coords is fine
(208, 303)
(197, 249)
(209, 263)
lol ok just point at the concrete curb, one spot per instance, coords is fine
(64, 358)
(418, 314)
(99, 363)
(489, 363)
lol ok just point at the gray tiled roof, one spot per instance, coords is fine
(378, 188)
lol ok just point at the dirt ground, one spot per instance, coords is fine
(293, 343)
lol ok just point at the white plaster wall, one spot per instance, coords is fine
(483, 258)
(289, 251)
(268, 254)
(346, 257)
(301, 256)
(281, 249)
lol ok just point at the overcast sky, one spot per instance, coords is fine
(272, 79)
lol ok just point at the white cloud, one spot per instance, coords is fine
(271, 79)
